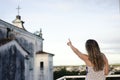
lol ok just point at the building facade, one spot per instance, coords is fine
(21, 53)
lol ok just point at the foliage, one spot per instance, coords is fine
(117, 72)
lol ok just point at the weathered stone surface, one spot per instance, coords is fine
(11, 64)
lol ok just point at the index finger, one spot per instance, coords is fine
(69, 40)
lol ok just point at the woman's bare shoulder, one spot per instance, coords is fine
(86, 56)
(87, 61)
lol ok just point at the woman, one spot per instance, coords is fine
(96, 62)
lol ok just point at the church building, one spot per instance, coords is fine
(21, 53)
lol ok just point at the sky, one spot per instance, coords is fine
(78, 20)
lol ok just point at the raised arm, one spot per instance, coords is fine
(77, 52)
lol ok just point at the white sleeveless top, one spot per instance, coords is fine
(92, 75)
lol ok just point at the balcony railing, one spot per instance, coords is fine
(80, 76)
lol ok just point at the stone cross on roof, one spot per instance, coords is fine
(18, 8)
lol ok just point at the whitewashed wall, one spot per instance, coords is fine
(31, 44)
(47, 72)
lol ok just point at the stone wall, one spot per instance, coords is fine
(11, 63)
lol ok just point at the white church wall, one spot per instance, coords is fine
(50, 68)
(44, 73)
(2, 32)
(39, 45)
(40, 73)
(13, 57)
(31, 44)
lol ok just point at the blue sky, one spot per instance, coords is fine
(78, 20)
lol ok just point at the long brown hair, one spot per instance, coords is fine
(95, 55)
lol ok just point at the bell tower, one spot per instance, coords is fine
(18, 22)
